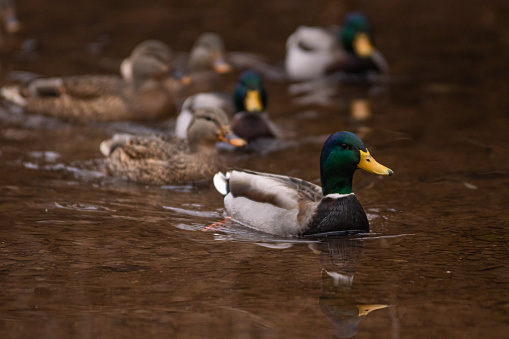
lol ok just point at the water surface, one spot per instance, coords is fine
(87, 255)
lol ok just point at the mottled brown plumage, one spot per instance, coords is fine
(145, 91)
(163, 160)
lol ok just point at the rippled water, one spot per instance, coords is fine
(86, 255)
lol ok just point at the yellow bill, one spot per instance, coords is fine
(253, 102)
(362, 45)
(368, 163)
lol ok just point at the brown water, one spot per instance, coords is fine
(85, 255)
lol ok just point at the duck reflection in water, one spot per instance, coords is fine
(339, 258)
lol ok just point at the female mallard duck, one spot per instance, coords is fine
(201, 100)
(289, 206)
(312, 52)
(146, 93)
(205, 64)
(161, 160)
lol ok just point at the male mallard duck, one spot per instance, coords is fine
(149, 94)
(251, 121)
(206, 62)
(315, 51)
(161, 160)
(289, 206)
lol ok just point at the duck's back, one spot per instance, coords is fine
(161, 160)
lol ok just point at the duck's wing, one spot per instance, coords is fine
(270, 203)
(151, 159)
(155, 147)
(80, 87)
(279, 190)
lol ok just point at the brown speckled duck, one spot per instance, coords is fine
(163, 160)
(145, 92)
(206, 63)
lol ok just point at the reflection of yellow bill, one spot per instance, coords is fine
(365, 309)
(362, 45)
(253, 101)
(368, 163)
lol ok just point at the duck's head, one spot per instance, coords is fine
(356, 35)
(155, 50)
(342, 154)
(207, 54)
(208, 126)
(250, 94)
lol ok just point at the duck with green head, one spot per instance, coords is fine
(251, 120)
(312, 52)
(288, 206)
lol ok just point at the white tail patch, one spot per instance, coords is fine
(13, 95)
(221, 183)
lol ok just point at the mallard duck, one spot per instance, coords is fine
(251, 120)
(150, 48)
(201, 100)
(8, 16)
(312, 52)
(149, 94)
(206, 63)
(163, 160)
(288, 206)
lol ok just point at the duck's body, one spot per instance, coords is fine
(289, 206)
(316, 51)
(147, 93)
(162, 160)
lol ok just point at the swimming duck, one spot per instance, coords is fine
(251, 120)
(8, 16)
(147, 92)
(209, 99)
(288, 206)
(312, 52)
(206, 63)
(163, 160)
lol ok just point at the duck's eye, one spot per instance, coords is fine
(208, 118)
(345, 146)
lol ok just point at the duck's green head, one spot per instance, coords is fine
(356, 35)
(342, 153)
(249, 94)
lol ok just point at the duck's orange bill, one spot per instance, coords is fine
(221, 66)
(227, 136)
(368, 163)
